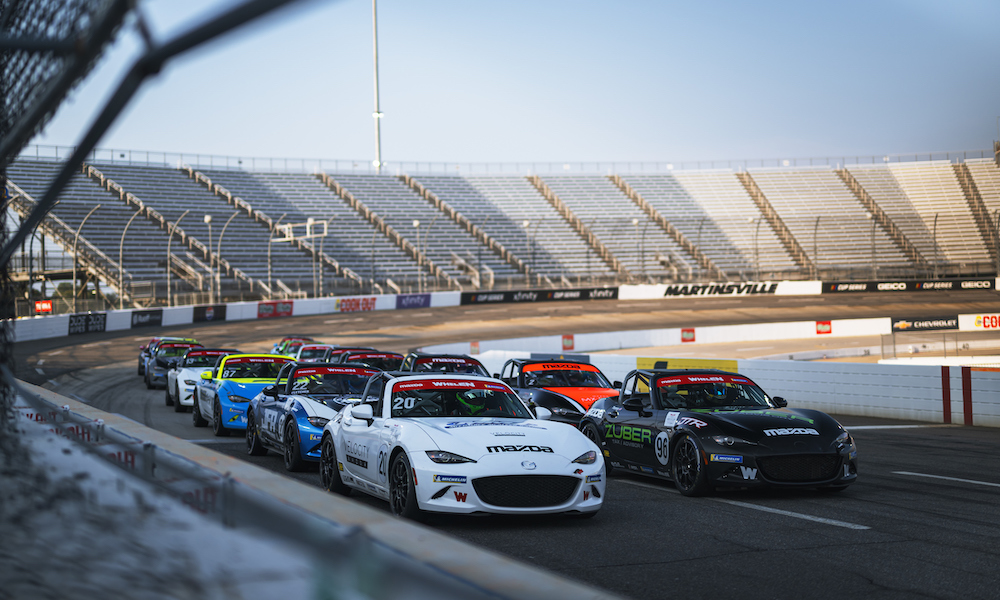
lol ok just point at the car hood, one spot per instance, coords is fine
(585, 396)
(769, 427)
(248, 388)
(472, 437)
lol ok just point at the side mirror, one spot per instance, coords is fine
(496, 376)
(780, 402)
(363, 412)
(617, 385)
(206, 375)
(271, 391)
(542, 413)
(633, 404)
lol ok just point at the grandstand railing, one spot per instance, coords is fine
(314, 165)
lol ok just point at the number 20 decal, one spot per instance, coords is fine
(403, 403)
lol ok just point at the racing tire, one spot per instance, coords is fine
(292, 455)
(329, 471)
(196, 418)
(166, 394)
(149, 384)
(402, 492)
(254, 445)
(178, 407)
(593, 434)
(688, 469)
(217, 427)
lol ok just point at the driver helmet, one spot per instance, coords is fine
(472, 401)
(715, 393)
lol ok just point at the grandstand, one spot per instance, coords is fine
(415, 232)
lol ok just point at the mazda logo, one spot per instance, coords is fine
(529, 465)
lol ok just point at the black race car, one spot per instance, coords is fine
(706, 429)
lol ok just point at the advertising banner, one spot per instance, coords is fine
(404, 301)
(949, 285)
(979, 322)
(270, 310)
(520, 296)
(88, 323)
(215, 312)
(925, 324)
(147, 318)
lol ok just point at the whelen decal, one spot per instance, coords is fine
(689, 379)
(437, 384)
(556, 366)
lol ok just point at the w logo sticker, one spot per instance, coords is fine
(461, 496)
(749, 473)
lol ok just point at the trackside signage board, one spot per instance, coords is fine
(538, 296)
(979, 322)
(147, 318)
(949, 285)
(719, 289)
(88, 323)
(925, 324)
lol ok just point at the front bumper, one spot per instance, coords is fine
(732, 469)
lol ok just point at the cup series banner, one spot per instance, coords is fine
(948, 285)
(522, 296)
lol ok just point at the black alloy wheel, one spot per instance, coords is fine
(217, 428)
(178, 407)
(593, 434)
(293, 458)
(196, 418)
(254, 446)
(166, 393)
(688, 469)
(402, 492)
(329, 470)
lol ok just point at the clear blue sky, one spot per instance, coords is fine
(562, 81)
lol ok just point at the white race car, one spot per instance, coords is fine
(452, 443)
(186, 373)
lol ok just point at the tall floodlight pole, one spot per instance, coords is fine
(76, 258)
(218, 257)
(378, 112)
(170, 240)
(270, 241)
(211, 272)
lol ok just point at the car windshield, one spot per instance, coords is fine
(456, 398)
(207, 358)
(385, 362)
(169, 350)
(252, 367)
(307, 353)
(710, 392)
(342, 381)
(449, 365)
(564, 376)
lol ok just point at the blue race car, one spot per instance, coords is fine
(222, 395)
(288, 417)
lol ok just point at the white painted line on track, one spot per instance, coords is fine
(796, 515)
(973, 481)
(777, 511)
(856, 427)
(217, 441)
(40, 362)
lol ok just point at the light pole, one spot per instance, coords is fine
(420, 268)
(312, 245)
(427, 234)
(170, 240)
(635, 224)
(481, 244)
(527, 250)
(218, 256)
(75, 255)
(269, 242)
(700, 225)
(378, 112)
(642, 251)
(329, 222)
(937, 250)
(211, 270)
(374, 233)
(121, 268)
(756, 247)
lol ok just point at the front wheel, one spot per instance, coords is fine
(217, 427)
(402, 492)
(293, 457)
(593, 434)
(688, 468)
(329, 469)
(196, 418)
(254, 447)
(178, 407)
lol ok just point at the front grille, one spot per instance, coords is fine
(799, 468)
(524, 491)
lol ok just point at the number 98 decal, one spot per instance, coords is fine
(661, 445)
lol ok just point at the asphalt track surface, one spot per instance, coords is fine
(922, 521)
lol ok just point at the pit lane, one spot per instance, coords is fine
(901, 531)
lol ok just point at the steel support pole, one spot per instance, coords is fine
(75, 255)
(170, 241)
(121, 267)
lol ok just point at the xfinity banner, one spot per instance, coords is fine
(539, 296)
(950, 285)
(147, 318)
(925, 324)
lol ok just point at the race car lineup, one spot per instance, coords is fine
(437, 433)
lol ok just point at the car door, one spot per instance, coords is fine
(361, 438)
(629, 434)
(272, 408)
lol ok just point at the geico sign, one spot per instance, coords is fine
(988, 321)
(882, 287)
(977, 285)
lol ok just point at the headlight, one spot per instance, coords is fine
(447, 458)
(565, 412)
(728, 440)
(843, 440)
(317, 421)
(238, 399)
(587, 458)
(190, 382)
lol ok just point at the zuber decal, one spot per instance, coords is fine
(518, 448)
(791, 431)
(627, 433)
